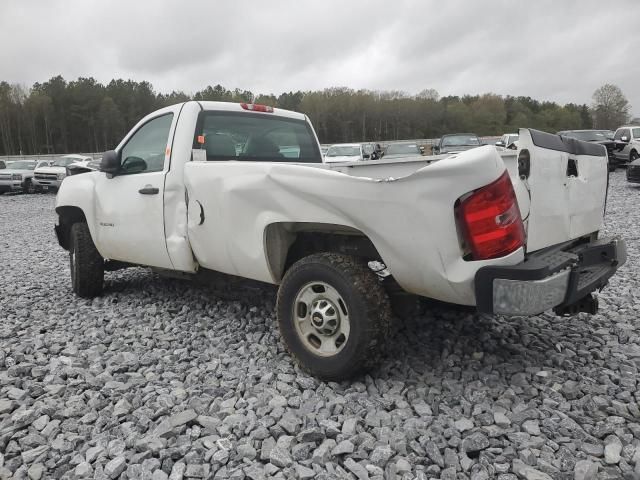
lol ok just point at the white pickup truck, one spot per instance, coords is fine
(241, 189)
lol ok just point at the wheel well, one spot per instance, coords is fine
(286, 243)
(67, 216)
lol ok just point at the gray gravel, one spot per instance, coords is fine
(161, 379)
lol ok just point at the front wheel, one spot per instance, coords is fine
(633, 156)
(334, 316)
(87, 266)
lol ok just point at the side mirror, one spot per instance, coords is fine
(110, 162)
(133, 165)
(499, 143)
(624, 139)
(366, 156)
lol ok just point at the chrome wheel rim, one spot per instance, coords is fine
(321, 319)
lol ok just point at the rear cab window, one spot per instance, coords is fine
(260, 137)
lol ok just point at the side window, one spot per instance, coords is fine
(145, 150)
(636, 133)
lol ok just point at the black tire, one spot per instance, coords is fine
(86, 264)
(28, 187)
(365, 302)
(633, 156)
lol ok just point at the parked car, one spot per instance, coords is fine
(345, 152)
(18, 177)
(50, 178)
(339, 238)
(456, 142)
(3, 165)
(627, 141)
(507, 140)
(600, 137)
(401, 150)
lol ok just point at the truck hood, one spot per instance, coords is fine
(51, 170)
(16, 170)
(344, 158)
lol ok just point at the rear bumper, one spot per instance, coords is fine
(549, 279)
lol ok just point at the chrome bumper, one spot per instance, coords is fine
(550, 279)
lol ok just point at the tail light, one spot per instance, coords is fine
(254, 107)
(490, 220)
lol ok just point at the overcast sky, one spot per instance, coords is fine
(550, 50)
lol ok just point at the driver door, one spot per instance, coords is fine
(129, 206)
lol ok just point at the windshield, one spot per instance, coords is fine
(22, 165)
(460, 140)
(64, 161)
(403, 148)
(588, 136)
(343, 151)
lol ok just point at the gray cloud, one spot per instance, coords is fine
(550, 50)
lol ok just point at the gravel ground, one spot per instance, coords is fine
(164, 379)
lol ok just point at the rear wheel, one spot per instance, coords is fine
(334, 315)
(87, 266)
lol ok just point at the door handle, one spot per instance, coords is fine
(149, 190)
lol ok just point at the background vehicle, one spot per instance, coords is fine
(18, 177)
(401, 150)
(3, 165)
(51, 177)
(456, 142)
(601, 137)
(507, 139)
(177, 196)
(345, 152)
(627, 141)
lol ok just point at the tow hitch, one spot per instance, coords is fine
(587, 304)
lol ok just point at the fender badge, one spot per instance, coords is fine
(103, 224)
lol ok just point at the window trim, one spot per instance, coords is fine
(132, 134)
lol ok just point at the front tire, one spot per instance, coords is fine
(633, 156)
(87, 266)
(334, 316)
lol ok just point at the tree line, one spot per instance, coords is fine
(83, 115)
